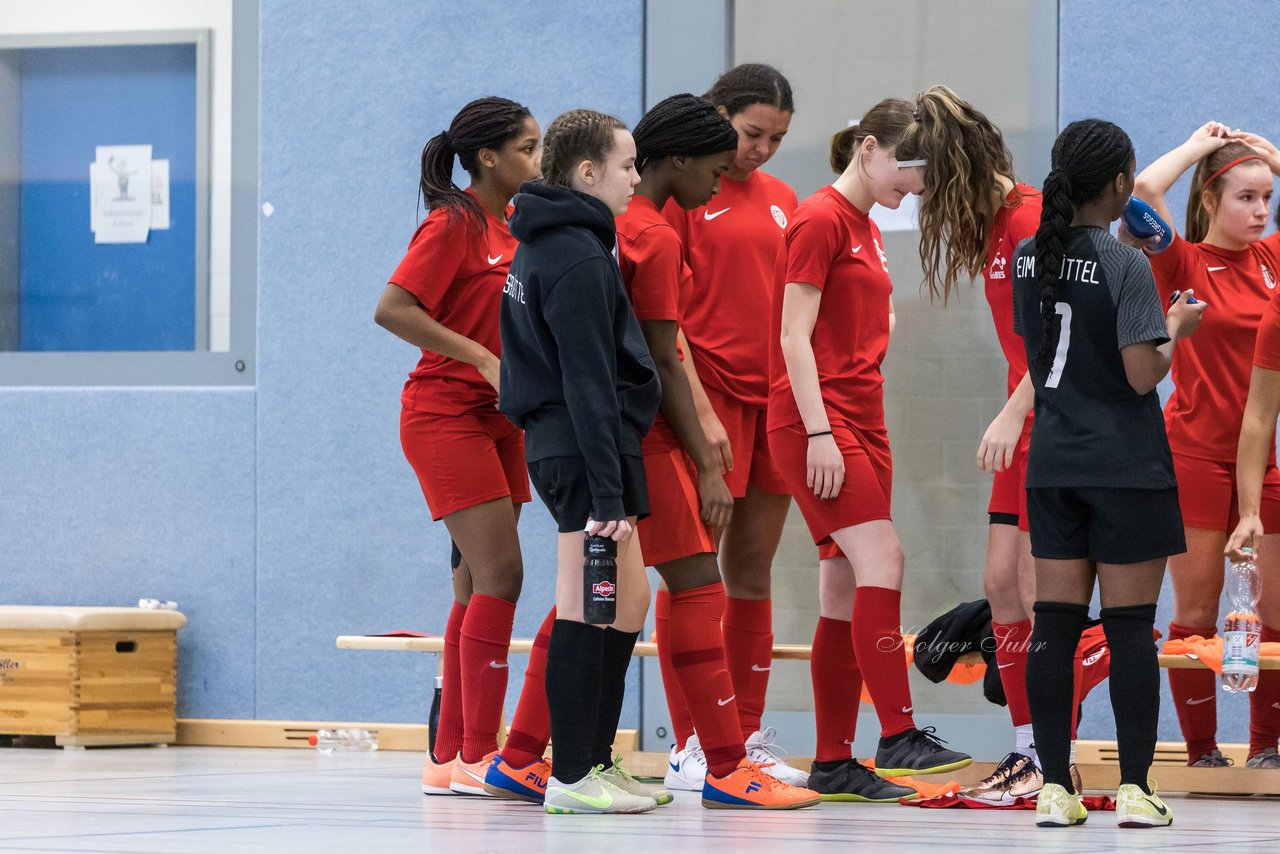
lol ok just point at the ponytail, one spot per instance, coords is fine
(842, 146)
(483, 123)
(887, 121)
(1051, 240)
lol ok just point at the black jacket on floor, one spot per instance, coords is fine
(576, 372)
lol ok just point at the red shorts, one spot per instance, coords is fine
(674, 528)
(868, 479)
(1207, 495)
(752, 460)
(1009, 487)
(464, 460)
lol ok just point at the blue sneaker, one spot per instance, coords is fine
(527, 784)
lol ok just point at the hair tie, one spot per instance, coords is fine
(448, 140)
(1235, 162)
(915, 114)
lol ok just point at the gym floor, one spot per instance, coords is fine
(208, 799)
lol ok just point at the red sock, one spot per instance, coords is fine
(748, 648)
(877, 640)
(531, 724)
(486, 636)
(1090, 667)
(697, 657)
(837, 685)
(449, 727)
(1264, 704)
(1195, 698)
(1012, 644)
(677, 708)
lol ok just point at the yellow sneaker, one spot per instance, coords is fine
(1135, 808)
(1056, 807)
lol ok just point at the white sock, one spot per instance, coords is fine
(1073, 752)
(1024, 741)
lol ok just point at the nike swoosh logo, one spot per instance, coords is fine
(848, 741)
(725, 702)
(601, 801)
(1159, 809)
(1198, 702)
(1275, 705)
(758, 669)
(906, 710)
(1216, 269)
(674, 766)
(857, 249)
(708, 215)
(1003, 666)
(497, 665)
(492, 260)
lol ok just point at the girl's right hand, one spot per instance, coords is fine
(1183, 318)
(1247, 535)
(825, 475)
(1211, 135)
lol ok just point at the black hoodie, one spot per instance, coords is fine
(576, 371)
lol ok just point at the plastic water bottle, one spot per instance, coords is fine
(433, 717)
(1242, 630)
(354, 740)
(599, 581)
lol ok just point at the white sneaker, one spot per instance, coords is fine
(593, 794)
(762, 748)
(687, 768)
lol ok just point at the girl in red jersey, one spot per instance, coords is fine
(731, 246)
(1222, 258)
(683, 147)
(973, 214)
(827, 432)
(443, 298)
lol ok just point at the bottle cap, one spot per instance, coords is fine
(312, 740)
(1246, 550)
(439, 682)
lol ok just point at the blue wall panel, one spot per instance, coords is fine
(348, 100)
(1160, 78)
(78, 295)
(108, 496)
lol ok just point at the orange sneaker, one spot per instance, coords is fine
(468, 777)
(503, 780)
(750, 787)
(435, 777)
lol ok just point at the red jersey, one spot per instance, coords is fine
(657, 279)
(732, 246)
(1211, 368)
(836, 248)
(1266, 353)
(458, 274)
(1016, 220)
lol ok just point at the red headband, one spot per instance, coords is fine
(1235, 162)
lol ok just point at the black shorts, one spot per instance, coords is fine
(561, 483)
(1104, 524)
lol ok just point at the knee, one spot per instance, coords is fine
(502, 577)
(1194, 615)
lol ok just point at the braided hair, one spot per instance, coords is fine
(682, 126)
(962, 150)
(749, 84)
(1087, 156)
(483, 123)
(573, 137)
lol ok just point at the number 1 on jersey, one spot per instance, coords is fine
(1064, 341)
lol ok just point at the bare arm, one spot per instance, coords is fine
(714, 431)
(678, 406)
(995, 452)
(400, 313)
(1257, 438)
(1145, 364)
(800, 302)
(1154, 181)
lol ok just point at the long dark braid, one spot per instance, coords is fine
(682, 126)
(1087, 156)
(483, 123)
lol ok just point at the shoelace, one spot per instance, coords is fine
(768, 745)
(764, 778)
(620, 771)
(929, 736)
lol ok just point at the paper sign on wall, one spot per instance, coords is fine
(159, 195)
(120, 194)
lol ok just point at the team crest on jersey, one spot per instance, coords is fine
(998, 265)
(778, 216)
(1268, 278)
(884, 260)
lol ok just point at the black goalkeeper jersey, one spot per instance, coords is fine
(1091, 428)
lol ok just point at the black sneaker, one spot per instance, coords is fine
(853, 781)
(917, 751)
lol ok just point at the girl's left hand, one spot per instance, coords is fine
(1262, 145)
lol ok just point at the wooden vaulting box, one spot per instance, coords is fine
(89, 676)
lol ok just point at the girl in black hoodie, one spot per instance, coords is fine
(577, 376)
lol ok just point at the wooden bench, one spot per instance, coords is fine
(1098, 760)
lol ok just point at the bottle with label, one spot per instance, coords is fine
(599, 581)
(354, 740)
(1242, 632)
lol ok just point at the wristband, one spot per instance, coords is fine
(820, 433)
